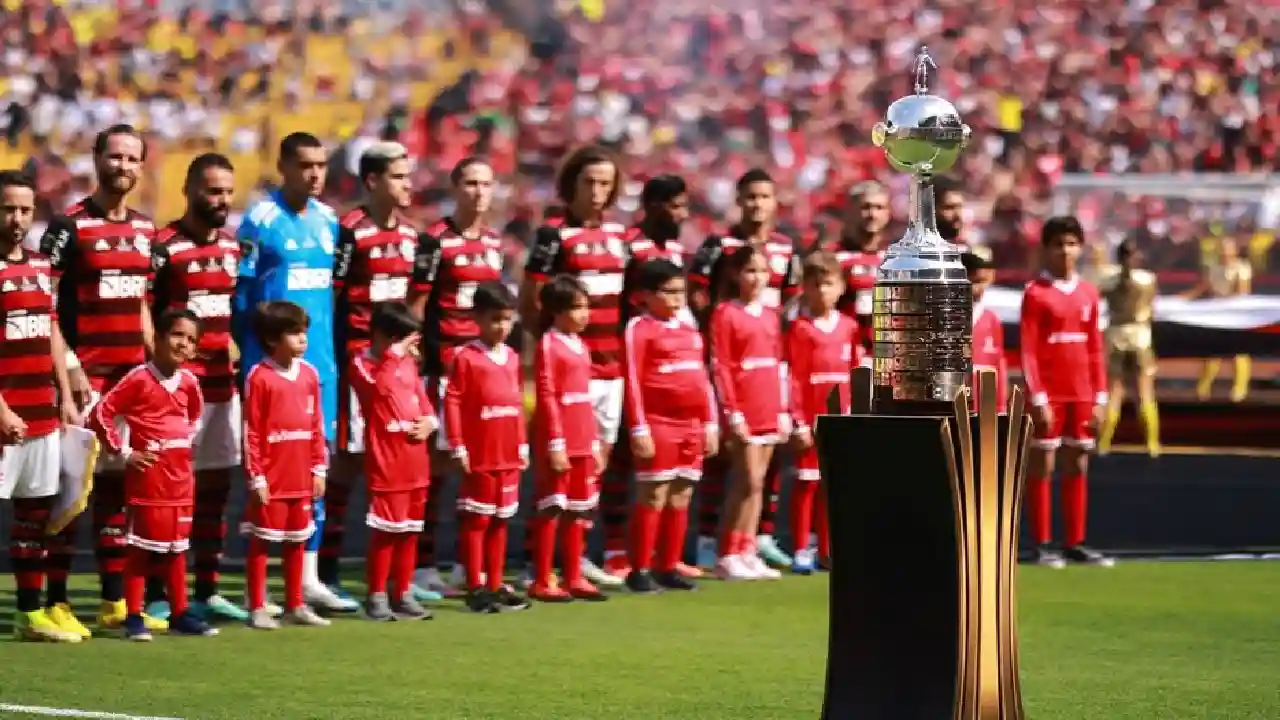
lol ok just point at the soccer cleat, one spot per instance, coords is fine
(1045, 556)
(303, 615)
(159, 610)
(689, 571)
(408, 609)
(802, 562)
(734, 568)
(1082, 555)
(641, 582)
(378, 608)
(111, 615)
(480, 600)
(263, 619)
(618, 566)
(524, 579)
(583, 590)
(595, 574)
(549, 593)
(66, 620)
(674, 581)
(273, 609)
(708, 554)
(218, 607)
(135, 629)
(760, 567)
(507, 600)
(37, 626)
(458, 576)
(767, 550)
(341, 594)
(188, 624)
(323, 598)
(428, 586)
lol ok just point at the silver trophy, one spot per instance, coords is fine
(922, 314)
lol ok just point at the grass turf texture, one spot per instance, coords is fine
(1176, 641)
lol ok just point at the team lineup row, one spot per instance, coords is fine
(109, 267)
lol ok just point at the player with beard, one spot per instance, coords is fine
(587, 246)
(948, 200)
(196, 261)
(859, 249)
(372, 264)
(758, 202)
(454, 257)
(665, 202)
(100, 251)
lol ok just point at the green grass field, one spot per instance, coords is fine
(1176, 641)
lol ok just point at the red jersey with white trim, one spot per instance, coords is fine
(161, 414)
(745, 351)
(988, 350)
(393, 398)
(371, 264)
(1061, 342)
(484, 407)
(564, 419)
(284, 445)
(665, 374)
(449, 268)
(26, 355)
(200, 275)
(598, 258)
(780, 253)
(107, 267)
(820, 354)
(641, 250)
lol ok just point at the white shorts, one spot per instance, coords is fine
(442, 437)
(31, 468)
(217, 442)
(106, 461)
(606, 401)
(355, 424)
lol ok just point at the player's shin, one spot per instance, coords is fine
(766, 543)
(58, 564)
(378, 559)
(108, 515)
(542, 527)
(1075, 496)
(803, 495)
(337, 496)
(614, 494)
(572, 545)
(256, 574)
(404, 560)
(27, 549)
(1039, 502)
(209, 529)
(138, 566)
(473, 528)
(495, 553)
(822, 526)
(673, 526)
(292, 555)
(646, 514)
(175, 566)
(711, 501)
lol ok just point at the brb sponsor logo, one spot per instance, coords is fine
(210, 306)
(122, 287)
(310, 279)
(28, 327)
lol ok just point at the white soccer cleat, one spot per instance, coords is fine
(272, 609)
(734, 568)
(759, 567)
(305, 616)
(597, 575)
(429, 579)
(322, 597)
(262, 619)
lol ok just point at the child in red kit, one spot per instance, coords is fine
(988, 333)
(565, 433)
(161, 405)
(671, 414)
(399, 419)
(822, 347)
(484, 419)
(745, 351)
(285, 460)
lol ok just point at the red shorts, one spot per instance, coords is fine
(397, 511)
(491, 492)
(159, 528)
(807, 468)
(576, 490)
(288, 521)
(677, 453)
(1072, 426)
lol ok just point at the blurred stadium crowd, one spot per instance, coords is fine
(706, 89)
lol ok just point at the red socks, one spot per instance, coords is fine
(573, 543)
(543, 529)
(138, 565)
(406, 559)
(255, 573)
(471, 546)
(675, 522)
(1039, 510)
(803, 494)
(822, 524)
(177, 576)
(378, 560)
(1075, 506)
(495, 553)
(291, 555)
(644, 535)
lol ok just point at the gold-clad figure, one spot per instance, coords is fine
(1130, 293)
(1230, 276)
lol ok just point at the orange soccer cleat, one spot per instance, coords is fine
(688, 571)
(583, 590)
(618, 566)
(549, 593)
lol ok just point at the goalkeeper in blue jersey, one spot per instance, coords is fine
(288, 243)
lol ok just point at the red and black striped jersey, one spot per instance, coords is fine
(26, 355)
(372, 264)
(598, 258)
(780, 252)
(449, 267)
(107, 268)
(860, 268)
(200, 275)
(641, 250)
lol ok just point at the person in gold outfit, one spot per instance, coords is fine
(1130, 293)
(1230, 276)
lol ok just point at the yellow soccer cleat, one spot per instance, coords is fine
(154, 624)
(62, 616)
(111, 615)
(36, 626)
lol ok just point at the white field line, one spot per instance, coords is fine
(73, 713)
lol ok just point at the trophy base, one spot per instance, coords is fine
(924, 541)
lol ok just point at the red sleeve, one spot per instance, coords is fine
(1002, 366)
(633, 359)
(456, 389)
(784, 374)
(797, 355)
(256, 404)
(548, 399)
(103, 418)
(319, 447)
(195, 406)
(721, 364)
(522, 431)
(1029, 342)
(424, 400)
(1097, 366)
